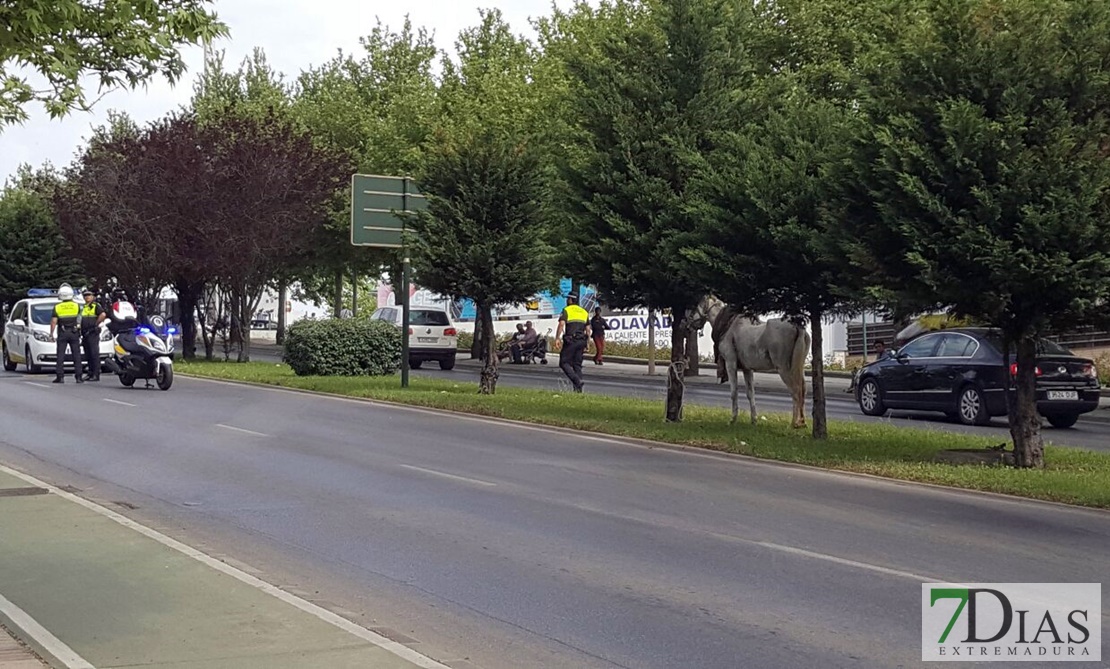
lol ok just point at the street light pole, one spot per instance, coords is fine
(405, 322)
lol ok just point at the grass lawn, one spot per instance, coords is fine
(1072, 475)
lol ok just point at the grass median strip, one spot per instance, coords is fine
(1074, 476)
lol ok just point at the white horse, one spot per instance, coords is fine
(750, 346)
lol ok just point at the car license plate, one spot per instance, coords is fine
(427, 340)
(1063, 395)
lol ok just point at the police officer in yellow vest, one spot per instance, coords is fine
(574, 332)
(92, 316)
(66, 320)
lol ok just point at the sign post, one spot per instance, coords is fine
(376, 201)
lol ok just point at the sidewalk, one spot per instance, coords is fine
(84, 590)
(14, 655)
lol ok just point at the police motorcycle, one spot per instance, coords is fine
(142, 348)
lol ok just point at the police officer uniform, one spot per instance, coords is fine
(67, 315)
(576, 320)
(90, 337)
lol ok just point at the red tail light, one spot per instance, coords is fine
(410, 330)
(1090, 371)
(1013, 370)
(450, 332)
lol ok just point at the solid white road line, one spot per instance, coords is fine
(126, 404)
(37, 385)
(846, 562)
(449, 476)
(241, 430)
(398, 649)
(42, 636)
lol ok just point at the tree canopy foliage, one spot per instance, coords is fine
(48, 46)
(987, 189)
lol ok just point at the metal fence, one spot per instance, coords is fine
(884, 330)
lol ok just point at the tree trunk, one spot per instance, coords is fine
(188, 296)
(243, 327)
(339, 294)
(676, 384)
(651, 341)
(820, 418)
(692, 353)
(283, 296)
(487, 384)
(207, 336)
(1025, 424)
(476, 350)
(354, 294)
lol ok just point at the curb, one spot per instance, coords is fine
(36, 649)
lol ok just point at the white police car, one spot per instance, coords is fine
(27, 334)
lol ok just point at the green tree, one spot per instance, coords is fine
(774, 181)
(118, 43)
(33, 253)
(984, 184)
(378, 108)
(643, 97)
(482, 234)
(770, 235)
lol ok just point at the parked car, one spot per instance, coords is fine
(960, 372)
(27, 337)
(432, 335)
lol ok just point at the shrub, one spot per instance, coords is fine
(343, 347)
(1102, 364)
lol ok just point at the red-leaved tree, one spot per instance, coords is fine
(225, 204)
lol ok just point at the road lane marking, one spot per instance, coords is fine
(450, 476)
(126, 404)
(398, 649)
(239, 429)
(42, 636)
(843, 561)
(37, 385)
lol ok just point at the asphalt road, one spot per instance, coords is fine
(518, 547)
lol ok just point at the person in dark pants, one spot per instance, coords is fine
(574, 332)
(598, 326)
(92, 317)
(67, 315)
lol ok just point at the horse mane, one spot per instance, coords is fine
(722, 322)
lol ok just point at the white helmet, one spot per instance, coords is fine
(65, 293)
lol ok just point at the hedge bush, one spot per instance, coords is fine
(343, 347)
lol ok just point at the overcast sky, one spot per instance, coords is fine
(295, 35)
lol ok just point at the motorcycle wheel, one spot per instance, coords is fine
(127, 379)
(165, 377)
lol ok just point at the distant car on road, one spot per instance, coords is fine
(960, 372)
(432, 335)
(27, 337)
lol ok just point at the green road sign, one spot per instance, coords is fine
(375, 203)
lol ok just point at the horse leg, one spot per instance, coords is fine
(733, 383)
(796, 383)
(749, 383)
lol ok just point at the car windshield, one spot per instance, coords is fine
(420, 317)
(42, 313)
(1044, 346)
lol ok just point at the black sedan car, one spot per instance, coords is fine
(960, 372)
